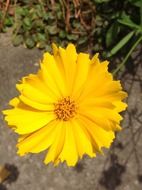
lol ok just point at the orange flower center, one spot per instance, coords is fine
(65, 109)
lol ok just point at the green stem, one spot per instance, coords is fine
(141, 14)
(127, 56)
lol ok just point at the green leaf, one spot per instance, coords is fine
(48, 48)
(128, 22)
(62, 34)
(101, 1)
(72, 37)
(137, 3)
(27, 21)
(17, 40)
(99, 21)
(120, 44)
(8, 21)
(59, 15)
(19, 11)
(33, 15)
(38, 24)
(112, 34)
(41, 45)
(22, 11)
(49, 16)
(39, 11)
(76, 24)
(52, 29)
(27, 24)
(82, 40)
(41, 37)
(30, 43)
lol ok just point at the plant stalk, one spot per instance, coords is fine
(127, 56)
(141, 14)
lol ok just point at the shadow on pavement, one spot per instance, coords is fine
(2, 187)
(79, 167)
(113, 170)
(111, 178)
(14, 173)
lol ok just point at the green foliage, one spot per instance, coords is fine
(101, 1)
(132, 23)
(120, 44)
(38, 23)
(109, 26)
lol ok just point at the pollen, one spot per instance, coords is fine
(65, 109)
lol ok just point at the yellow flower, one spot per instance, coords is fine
(70, 107)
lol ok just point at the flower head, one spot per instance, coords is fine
(70, 107)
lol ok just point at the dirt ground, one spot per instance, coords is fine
(119, 169)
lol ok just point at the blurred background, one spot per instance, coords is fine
(111, 27)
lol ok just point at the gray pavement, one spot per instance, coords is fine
(119, 169)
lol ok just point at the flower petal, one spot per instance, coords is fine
(39, 140)
(27, 119)
(69, 152)
(120, 106)
(82, 139)
(36, 105)
(57, 146)
(81, 74)
(52, 76)
(102, 113)
(101, 137)
(34, 88)
(96, 78)
(71, 63)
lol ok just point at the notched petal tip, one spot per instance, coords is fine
(19, 87)
(20, 153)
(55, 49)
(125, 93)
(118, 128)
(14, 102)
(4, 112)
(71, 47)
(95, 59)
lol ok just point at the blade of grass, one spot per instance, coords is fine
(127, 56)
(129, 24)
(121, 43)
(141, 14)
